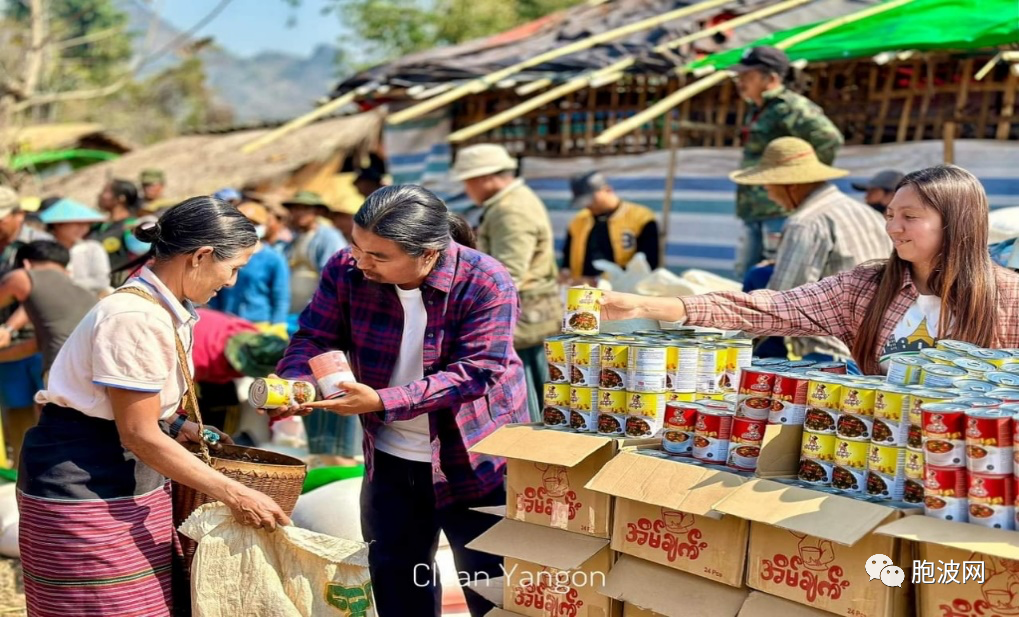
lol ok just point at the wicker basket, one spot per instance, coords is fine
(279, 476)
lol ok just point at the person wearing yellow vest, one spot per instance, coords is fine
(606, 228)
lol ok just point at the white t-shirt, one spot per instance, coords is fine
(409, 439)
(918, 328)
(124, 342)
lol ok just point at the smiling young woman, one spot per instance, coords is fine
(939, 282)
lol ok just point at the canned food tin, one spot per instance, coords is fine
(913, 492)
(817, 446)
(789, 399)
(914, 437)
(584, 421)
(738, 358)
(712, 430)
(583, 313)
(330, 370)
(718, 397)
(858, 399)
(945, 493)
(757, 382)
(1003, 379)
(973, 386)
(940, 376)
(819, 420)
(885, 486)
(1011, 367)
(919, 398)
(557, 353)
(824, 393)
(852, 454)
(988, 442)
(997, 357)
(639, 381)
(975, 368)
(887, 460)
(849, 479)
(678, 427)
(612, 402)
(731, 397)
(681, 366)
(944, 426)
(711, 362)
(799, 364)
(958, 347)
(585, 367)
(273, 393)
(745, 443)
(614, 365)
(890, 433)
(645, 411)
(647, 358)
(754, 407)
(914, 464)
(892, 403)
(815, 472)
(904, 370)
(611, 424)
(977, 402)
(938, 356)
(854, 428)
(992, 500)
(556, 417)
(583, 398)
(680, 397)
(1006, 395)
(716, 404)
(557, 395)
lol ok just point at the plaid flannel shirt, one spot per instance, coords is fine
(473, 379)
(829, 233)
(835, 306)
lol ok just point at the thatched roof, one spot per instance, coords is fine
(202, 164)
(42, 137)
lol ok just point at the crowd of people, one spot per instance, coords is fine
(122, 319)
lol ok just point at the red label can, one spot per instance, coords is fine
(678, 427)
(992, 500)
(944, 421)
(745, 443)
(711, 435)
(945, 493)
(988, 442)
(330, 370)
(789, 399)
(835, 368)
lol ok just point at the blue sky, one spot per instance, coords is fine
(246, 27)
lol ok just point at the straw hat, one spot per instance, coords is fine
(482, 160)
(787, 160)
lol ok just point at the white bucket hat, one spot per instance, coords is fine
(482, 160)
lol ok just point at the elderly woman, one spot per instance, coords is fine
(428, 326)
(94, 495)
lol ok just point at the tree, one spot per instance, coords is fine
(387, 29)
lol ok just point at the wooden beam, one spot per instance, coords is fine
(301, 121)
(948, 141)
(1007, 107)
(694, 89)
(483, 83)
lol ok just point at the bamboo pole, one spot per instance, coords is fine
(608, 74)
(948, 143)
(696, 88)
(670, 185)
(301, 121)
(486, 81)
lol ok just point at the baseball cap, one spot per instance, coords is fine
(227, 194)
(152, 176)
(887, 180)
(584, 186)
(763, 58)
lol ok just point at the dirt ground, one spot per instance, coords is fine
(12, 590)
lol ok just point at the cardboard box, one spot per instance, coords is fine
(546, 474)
(939, 543)
(762, 605)
(812, 547)
(651, 589)
(498, 612)
(549, 572)
(664, 513)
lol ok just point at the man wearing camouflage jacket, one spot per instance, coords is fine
(773, 112)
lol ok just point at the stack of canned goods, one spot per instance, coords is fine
(619, 385)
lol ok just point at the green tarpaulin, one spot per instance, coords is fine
(957, 25)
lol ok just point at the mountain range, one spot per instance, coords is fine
(269, 86)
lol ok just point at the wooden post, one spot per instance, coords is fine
(949, 142)
(670, 184)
